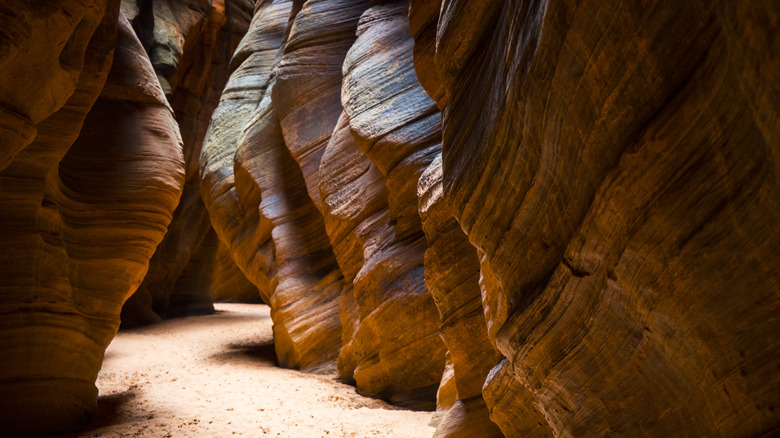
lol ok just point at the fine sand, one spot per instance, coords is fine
(215, 376)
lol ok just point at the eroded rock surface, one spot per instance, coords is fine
(260, 207)
(228, 283)
(190, 44)
(396, 349)
(268, 206)
(307, 94)
(452, 276)
(59, 34)
(83, 209)
(541, 218)
(620, 183)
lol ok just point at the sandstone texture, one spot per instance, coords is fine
(452, 276)
(620, 185)
(396, 349)
(537, 218)
(190, 44)
(307, 94)
(310, 172)
(259, 205)
(83, 208)
(228, 283)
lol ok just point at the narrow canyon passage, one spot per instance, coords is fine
(518, 218)
(215, 376)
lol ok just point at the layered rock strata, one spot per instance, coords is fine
(452, 276)
(395, 350)
(190, 45)
(278, 238)
(268, 152)
(581, 243)
(83, 208)
(620, 184)
(251, 68)
(228, 283)
(307, 94)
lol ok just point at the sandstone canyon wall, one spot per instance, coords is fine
(190, 44)
(541, 218)
(83, 207)
(263, 177)
(620, 185)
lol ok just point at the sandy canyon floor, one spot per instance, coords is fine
(215, 376)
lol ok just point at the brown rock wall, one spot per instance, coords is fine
(190, 44)
(452, 276)
(251, 68)
(287, 254)
(395, 125)
(620, 185)
(354, 203)
(307, 94)
(59, 34)
(228, 283)
(83, 210)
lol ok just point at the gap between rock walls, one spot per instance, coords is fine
(512, 218)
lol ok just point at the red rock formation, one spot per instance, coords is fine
(59, 35)
(282, 244)
(600, 230)
(396, 349)
(251, 71)
(190, 44)
(80, 222)
(228, 283)
(263, 212)
(620, 182)
(307, 94)
(452, 276)
(305, 278)
(354, 204)
(446, 395)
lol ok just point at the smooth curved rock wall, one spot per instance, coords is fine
(190, 44)
(395, 126)
(307, 94)
(452, 276)
(250, 68)
(83, 209)
(268, 208)
(260, 208)
(620, 184)
(228, 283)
(582, 242)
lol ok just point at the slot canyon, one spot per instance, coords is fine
(396, 218)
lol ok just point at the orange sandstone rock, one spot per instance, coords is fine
(80, 219)
(396, 349)
(616, 167)
(452, 276)
(260, 208)
(190, 44)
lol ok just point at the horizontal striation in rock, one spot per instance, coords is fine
(307, 94)
(452, 277)
(423, 22)
(81, 218)
(236, 218)
(354, 205)
(228, 283)
(306, 280)
(396, 349)
(197, 42)
(271, 225)
(620, 183)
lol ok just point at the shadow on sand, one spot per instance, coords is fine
(109, 412)
(255, 353)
